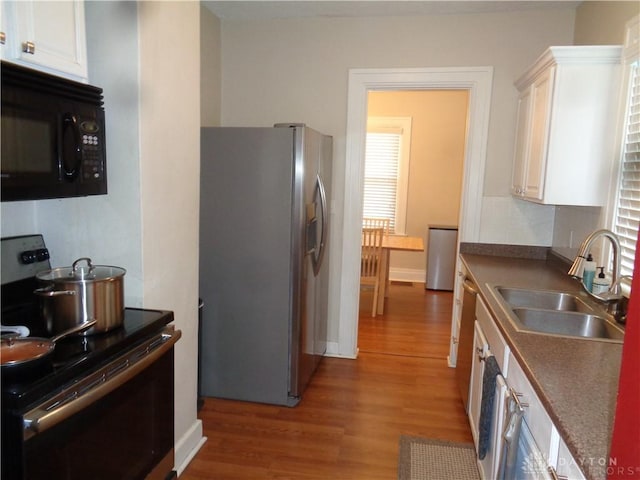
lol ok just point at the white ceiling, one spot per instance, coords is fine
(265, 9)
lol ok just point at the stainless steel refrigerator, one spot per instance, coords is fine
(264, 224)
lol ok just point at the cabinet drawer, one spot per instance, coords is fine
(496, 342)
(535, 415)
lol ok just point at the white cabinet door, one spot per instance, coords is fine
(522, 144)
(534, 413)
(541, 92)
(490, 464)
(566, 125)
(47, 36)
(495, 341)
(456, 314)
(480, 349)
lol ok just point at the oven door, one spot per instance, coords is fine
(116, 423)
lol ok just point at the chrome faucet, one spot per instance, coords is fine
(616, 302)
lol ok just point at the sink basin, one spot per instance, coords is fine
(545, 299)
(571, 324)
(555, 313)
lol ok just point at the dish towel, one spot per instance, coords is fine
(491, 371)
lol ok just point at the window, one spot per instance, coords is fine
(386, 170)
(626, 217)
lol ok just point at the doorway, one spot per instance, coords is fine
(429, 193)
(477, 81)
(416, 321)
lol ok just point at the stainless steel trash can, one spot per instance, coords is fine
(442, 243)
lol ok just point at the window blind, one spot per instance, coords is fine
(381, 170)
(627, 218)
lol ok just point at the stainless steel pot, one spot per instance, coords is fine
(74, 295)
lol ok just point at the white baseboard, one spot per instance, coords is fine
(407, 274)
(188, 446)
(451, 364)
(334, 351)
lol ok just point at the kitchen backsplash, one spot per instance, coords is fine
(572, 226)
(510, 221)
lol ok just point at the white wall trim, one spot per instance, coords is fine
(188, 446)
(478, 81)
(333, 351)
(416, 275)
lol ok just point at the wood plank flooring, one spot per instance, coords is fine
(349, 422)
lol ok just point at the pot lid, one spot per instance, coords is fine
(20, 350)
(78, 272)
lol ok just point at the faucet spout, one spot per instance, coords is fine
(578, 264)
(612, 297)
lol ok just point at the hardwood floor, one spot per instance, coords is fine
(349, 422)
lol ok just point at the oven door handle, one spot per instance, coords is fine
(97, 386)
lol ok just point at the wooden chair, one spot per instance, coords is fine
(377, 222)
(371, 262)
(370, 222)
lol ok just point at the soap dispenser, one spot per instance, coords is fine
(589, 273)
(601, 283)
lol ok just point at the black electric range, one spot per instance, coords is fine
(77, 357)
(66, 414)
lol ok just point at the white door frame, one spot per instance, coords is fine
(478, 81)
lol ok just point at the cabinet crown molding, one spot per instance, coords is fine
(571, 55)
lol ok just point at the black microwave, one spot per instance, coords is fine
(53, 137)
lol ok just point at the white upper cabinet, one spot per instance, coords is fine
(565, 126)
(47, 36)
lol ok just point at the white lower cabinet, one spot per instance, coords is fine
(458, 294)
(541, 449)
(490, 464)
(535, 415)
(475, 389)
(487, 342)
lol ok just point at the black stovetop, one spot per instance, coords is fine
(77, 356)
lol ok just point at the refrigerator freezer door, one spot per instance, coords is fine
(246, 262)
(309, 333)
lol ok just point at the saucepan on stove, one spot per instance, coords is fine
(74, 295)
(19, 353)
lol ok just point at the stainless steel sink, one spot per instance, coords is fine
(545, 299)
(571, 324)
(555, 313)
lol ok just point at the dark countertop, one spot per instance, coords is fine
(576, 380)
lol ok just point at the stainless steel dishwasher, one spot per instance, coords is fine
(465, 340)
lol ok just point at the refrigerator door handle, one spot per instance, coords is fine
(317, 261)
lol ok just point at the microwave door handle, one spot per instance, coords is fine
(71, 169)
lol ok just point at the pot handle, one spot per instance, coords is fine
(77, 329)
(48, 292)
(75, 265)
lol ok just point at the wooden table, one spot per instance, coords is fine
(394, 242)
